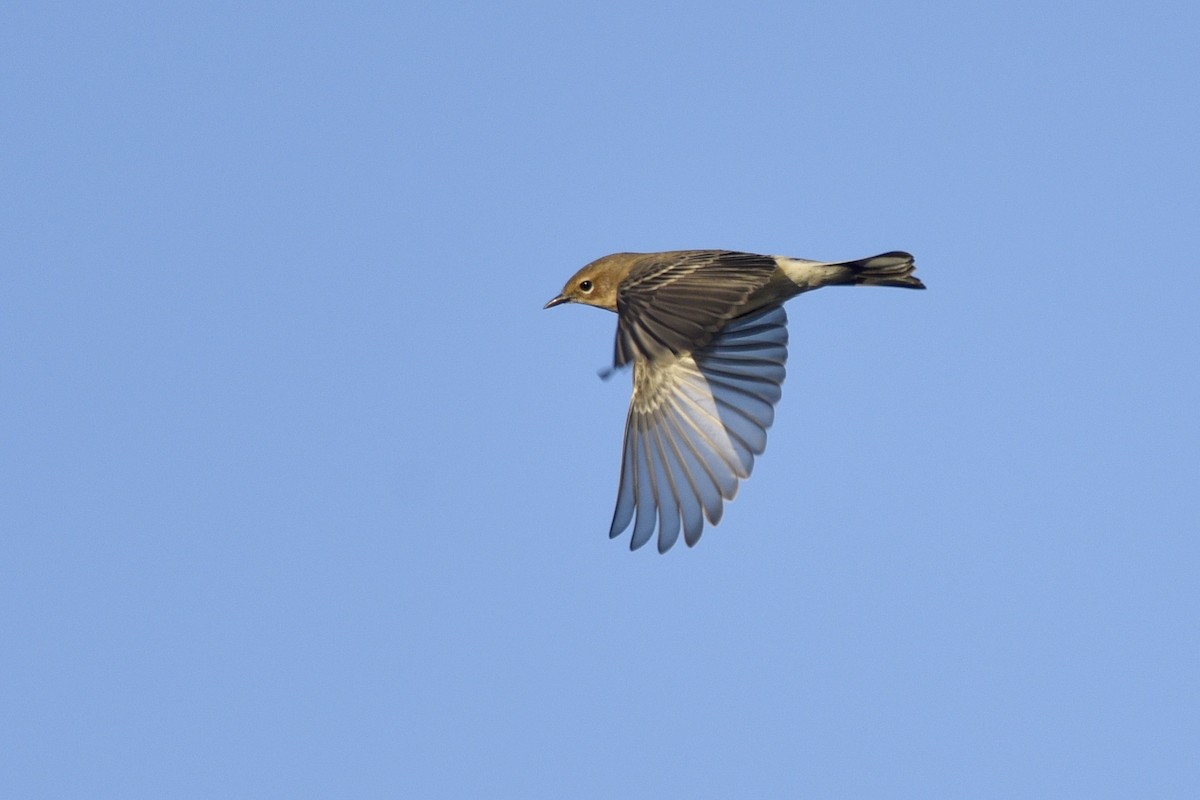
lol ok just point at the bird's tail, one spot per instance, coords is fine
(886, 269)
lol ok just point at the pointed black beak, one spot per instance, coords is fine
(558, 301)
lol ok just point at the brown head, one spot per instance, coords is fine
(596, 284)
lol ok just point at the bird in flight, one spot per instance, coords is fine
(706, 333)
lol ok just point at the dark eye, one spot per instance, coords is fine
(585, 286)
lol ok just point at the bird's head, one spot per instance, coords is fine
(596, 284)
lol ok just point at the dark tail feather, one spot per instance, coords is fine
(886, 269)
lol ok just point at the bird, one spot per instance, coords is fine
(706, 333)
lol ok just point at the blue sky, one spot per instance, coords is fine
(304, 494)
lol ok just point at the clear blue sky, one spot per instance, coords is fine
(304, 495)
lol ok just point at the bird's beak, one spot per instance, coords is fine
(558, 301)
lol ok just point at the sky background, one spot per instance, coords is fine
(304, 495)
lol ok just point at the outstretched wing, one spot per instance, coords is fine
(695, 423)
(675, 305)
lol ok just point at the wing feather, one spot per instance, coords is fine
(695, 424)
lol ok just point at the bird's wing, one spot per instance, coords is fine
(675, 305)
(695, 423)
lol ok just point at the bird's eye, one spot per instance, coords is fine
(585, 286)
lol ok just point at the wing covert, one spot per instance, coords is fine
(678, 303)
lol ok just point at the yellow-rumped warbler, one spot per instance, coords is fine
(707, 335)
